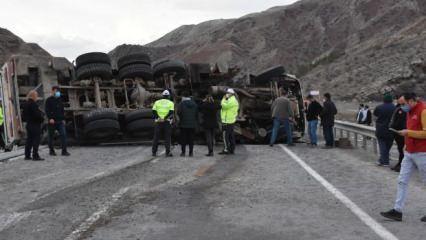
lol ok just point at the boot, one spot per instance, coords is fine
(52, 152)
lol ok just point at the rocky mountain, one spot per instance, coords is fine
(11, 44)
(352, 48)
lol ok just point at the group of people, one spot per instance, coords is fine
(188, 121)
(34, 118)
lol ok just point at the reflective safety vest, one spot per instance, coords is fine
(163, 107)
(229, 111)
(1, 116)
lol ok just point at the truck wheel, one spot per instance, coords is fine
(139, 114)
(141, 125)
(136, 70)
(98, 114)
(102, 129)
(101, 70)
(169, 66)
(137, 58)
(92, 57)
(266, 76)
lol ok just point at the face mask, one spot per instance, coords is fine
(58, 94)
(406, 108)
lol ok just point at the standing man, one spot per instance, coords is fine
(415, 154)
(360, 114)
(329, 111)
(384, 114)
(282, 113)
(228, 115)
(209, 110)
(312, 115)
(56, 120)
(163, 111)
(368, 118)
(34, 118)
(399, 122)
(188, 122)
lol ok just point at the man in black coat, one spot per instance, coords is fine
(399, 122)
(209, 121)
(56, 120)
(328, 114)
(313, 112)
(34, 117)
(385, 137)
(188, 122)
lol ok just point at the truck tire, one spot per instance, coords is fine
(102, 129)
(265, 77)
(101, 70)
(141, 125)
(169, 66)
(137, 58)
(139, 114)
(136, 70)
(92, 57)
(98, 114)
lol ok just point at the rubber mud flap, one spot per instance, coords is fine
(102, 129)
(98, 114)
(267, 75)
(92, 57)
(137, 58)
(145, 113)
(88, 71)
(136, 70)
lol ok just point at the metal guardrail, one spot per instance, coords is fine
(357, 132)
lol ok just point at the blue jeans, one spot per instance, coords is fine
(385, 146)
(276, 128)
(312, 131)
(60, 127)
(328, 135)
(409, 164)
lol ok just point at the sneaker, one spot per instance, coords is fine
(169, 155)
(154, 154)
(224, 153)
(392, 214)
(182, 154)
(209, 155)
(271, 145)
(423, 219)
(38, 158)
(52, 153)
(66, 154)
(191, 154)
(28, 158)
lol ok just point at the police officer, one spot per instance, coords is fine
(228, 115)
(34, 118)
(56, 120)
(163, 111)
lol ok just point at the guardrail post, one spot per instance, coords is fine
(356, 139)
(364, 142)
(341, 132)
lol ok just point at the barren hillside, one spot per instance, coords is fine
(352, 48)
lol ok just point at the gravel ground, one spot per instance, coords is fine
(259, 193)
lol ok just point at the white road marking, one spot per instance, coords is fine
(363, 216)
(12, 218)
(98, 215)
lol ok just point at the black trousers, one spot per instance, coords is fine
(400, 142)
(164, 128)
(328, 135)
(187, 138)
(2, 143)
(210, 132)
(228, 137)
(33, 140)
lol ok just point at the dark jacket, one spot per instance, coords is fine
(314, 111)
(369, 118)
(55, 109)
(399, 119)
(188, 114)
(328, 112)
(209, 113)
(384, 114)
(32, 114)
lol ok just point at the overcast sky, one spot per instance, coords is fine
(71, 27)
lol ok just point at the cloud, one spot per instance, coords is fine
(69, 28)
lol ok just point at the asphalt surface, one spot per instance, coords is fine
(259, 193)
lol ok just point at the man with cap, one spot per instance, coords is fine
(384, 113)
(163, 111)
(56, 120)
(228, 115)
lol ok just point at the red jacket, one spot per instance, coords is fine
(414, 123)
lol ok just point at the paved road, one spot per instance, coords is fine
(260, 193)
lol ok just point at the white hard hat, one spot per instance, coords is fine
(166, 93)
(230, 90)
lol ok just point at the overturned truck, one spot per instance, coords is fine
(111, 102)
